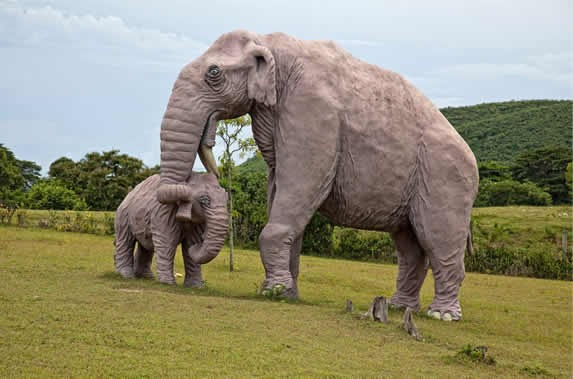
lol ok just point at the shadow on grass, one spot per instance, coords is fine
(151, 284)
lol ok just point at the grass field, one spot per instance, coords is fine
(526, 227)
(63, 312)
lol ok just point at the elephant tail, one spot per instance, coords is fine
(469, 243)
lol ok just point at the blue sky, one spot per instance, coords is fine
(82, 76)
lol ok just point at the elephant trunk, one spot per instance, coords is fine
(182, 132)
(216, 224)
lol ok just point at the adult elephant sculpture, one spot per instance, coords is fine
(199, 224)
(356, 142)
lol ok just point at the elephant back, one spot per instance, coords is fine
(140, 204)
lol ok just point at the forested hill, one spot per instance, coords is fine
(501, 131)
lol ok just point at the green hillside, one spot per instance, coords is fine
(253, 164)
(501, 131)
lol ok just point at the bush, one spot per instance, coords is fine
(510, 192)
(477, 354)
(363, 245)
(6, 213)
(79, 222)
(49, 194)
(519, 262)
(249, 206)
(318, 236)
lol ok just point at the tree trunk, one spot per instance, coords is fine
(231, 229)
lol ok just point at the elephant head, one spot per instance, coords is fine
(224, 82)
(208, 207)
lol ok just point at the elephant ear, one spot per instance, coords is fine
(261, 82)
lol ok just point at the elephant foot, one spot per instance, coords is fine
(147, 274)
(170, 281)
(126, 272)
(400, 302)
(284, 289)
(194, 283)
(444, 316)
(445, 309)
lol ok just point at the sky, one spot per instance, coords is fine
(95, 75)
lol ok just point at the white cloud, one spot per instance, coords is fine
(49, 27)
(542, 68)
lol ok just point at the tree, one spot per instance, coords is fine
(15, 177)
(101, 179)
(494, 171)
(30, 172)
(545, 167)
(107, 177)
(510, 192)
(11, 178)
(231, 134)
(249, 205)
(50, 194)
(67, 172)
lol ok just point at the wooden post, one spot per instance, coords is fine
(378, 310)
(349, 306)
(409, 326)
(231, 228)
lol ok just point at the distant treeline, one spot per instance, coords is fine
(98, 182)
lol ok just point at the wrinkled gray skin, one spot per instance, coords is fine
(199, 225)
(356, 142)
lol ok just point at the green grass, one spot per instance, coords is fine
(64, 313)
(525, 226)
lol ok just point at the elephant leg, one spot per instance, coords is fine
(281, 239)
(307, 162)
(164, 263)
(143, 259)
(193, 276)
(449, 272)
(442, 232)
(124, 244)
(411, 269)
(294, 262)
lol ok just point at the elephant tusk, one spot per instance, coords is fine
(208, 159)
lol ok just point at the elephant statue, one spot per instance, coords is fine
(355, 142)
(199, 223)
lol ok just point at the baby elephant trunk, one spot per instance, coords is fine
(174, 193)
(216, 226)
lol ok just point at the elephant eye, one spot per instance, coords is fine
(205, 201)
(213, 71)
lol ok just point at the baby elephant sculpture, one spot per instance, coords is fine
(162, 227)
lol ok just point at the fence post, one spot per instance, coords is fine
(564, 244)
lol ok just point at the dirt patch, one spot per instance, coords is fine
(129, 290)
